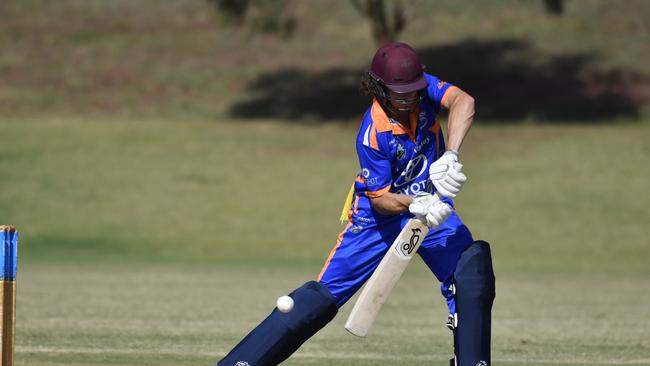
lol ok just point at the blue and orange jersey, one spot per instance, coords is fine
(396, 158)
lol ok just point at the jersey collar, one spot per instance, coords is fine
(384, 124)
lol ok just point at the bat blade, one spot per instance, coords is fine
(383, 280)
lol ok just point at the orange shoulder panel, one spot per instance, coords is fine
(378, 193)
(443, 102)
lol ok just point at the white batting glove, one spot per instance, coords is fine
(446, 174)
(430, 209)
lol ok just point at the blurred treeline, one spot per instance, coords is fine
(559, 61)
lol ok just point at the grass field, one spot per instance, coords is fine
(554, 198)
(182, 315)
(167, 249)
(171, 177)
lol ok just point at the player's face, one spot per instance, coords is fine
(404, 102)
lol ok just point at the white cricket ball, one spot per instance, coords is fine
(284, 304)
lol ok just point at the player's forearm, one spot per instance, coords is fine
(391, 203)
(461, 115)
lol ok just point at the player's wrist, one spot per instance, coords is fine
(453, 152)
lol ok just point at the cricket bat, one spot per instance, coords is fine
(382, 281)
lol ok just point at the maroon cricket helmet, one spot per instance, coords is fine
(398, 67)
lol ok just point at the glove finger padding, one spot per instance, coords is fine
(443, 190)
(447, 176)
(450, 184)
(417, 209)
(444, 212)
(430, 208)
(438, 171)
(432, 222)
(456, 173)
(438, 214)
(421, 202)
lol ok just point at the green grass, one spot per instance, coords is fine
(181, 315)
(550, 198)
(157, 230)
(161, 242)
(174, 190)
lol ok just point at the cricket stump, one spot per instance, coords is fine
(8, 262)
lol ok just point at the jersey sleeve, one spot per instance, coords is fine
(375, 175)
(436, 90)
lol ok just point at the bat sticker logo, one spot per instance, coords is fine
(406, 249)
(416, 236)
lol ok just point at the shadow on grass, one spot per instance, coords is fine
(510, 80)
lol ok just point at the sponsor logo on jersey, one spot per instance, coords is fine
(356, 229)
(242, 363)
(423, 143)
(400, 153)
(413, 170)
(415, 188)
(367, 180)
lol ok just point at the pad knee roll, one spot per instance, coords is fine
(474, 275)
(281, 334)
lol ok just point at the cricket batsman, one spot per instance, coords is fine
(403, 161)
